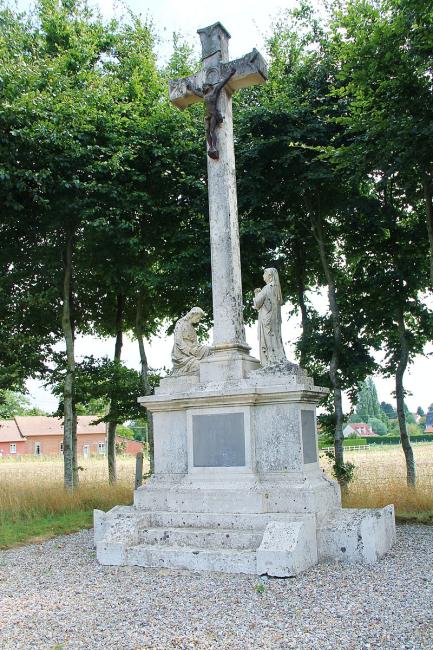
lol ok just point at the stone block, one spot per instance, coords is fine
(170, 443)
(225, 365)
(357, 535)
(111, 553)
(199, 537)
(193, 559)
(287, 548)
(99, 525)
(177, 384)
(278, 439)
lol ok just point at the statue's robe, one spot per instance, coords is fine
(270, 340)
(186, 351)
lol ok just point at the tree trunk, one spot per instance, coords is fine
(300, 288)
(316, 223)
(69, 449)
(144, 367)
(147, 389)
(428, 195)
(399, 394)
(112, 424)
(75, 449)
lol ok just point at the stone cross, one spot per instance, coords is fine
(229, 332)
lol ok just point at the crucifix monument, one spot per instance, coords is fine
(237, 485)
(214, 84)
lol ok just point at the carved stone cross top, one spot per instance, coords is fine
(214, 84)
(217, 73)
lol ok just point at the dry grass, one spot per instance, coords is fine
(29, 488)
(33, 502)
(32, 492)
(380, 478)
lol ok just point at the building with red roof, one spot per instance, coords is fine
(41, 435)
(359, 430)
(11, 440)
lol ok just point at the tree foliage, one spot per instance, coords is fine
(13, 404)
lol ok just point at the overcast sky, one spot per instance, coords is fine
(248, 22)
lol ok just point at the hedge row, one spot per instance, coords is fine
(382, 440)
(395, 440)
(347, 442)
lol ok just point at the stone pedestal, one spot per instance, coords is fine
(237, 484)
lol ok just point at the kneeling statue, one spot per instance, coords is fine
(187, 351)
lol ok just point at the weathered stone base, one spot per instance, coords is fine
(237, 485)
(277, 544)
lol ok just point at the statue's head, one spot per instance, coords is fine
(195, 314)
(270, 275)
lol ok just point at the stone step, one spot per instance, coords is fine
(200, 500)
(238, 521)
(193, 559)
(216, 538)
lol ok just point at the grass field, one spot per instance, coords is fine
(380, 478)
(34, 505)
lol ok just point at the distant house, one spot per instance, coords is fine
(43, 436)
(429, 422)
(11, 441)
(359, 430)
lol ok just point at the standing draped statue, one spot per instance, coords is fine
(268, 302)
(187, 351)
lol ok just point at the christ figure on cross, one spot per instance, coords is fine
(210, 94)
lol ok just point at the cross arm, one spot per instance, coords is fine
(180, 90)
(251, 70)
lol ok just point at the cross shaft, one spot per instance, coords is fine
(229, 332)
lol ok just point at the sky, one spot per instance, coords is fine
(248, 22)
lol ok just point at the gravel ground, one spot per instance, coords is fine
(56, 596)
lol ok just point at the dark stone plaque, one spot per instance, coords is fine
(308, 437)
(218, 440)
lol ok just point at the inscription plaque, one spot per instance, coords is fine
(308, 437)
(218, 440)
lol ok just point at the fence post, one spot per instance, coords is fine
(138, 469)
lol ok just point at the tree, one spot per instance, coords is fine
(378, 426)
(378, 76)
(100, 196)
(384, 51)
(125, 432)
(367, 405)
(55, 117)
(146, 220)
(28, 299)
(93, 406)
(96, 380)
(294, 201)
(13, 404)
(388, 410)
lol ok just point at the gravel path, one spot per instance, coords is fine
(56, 596)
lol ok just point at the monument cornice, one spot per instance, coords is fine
(240, 397)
